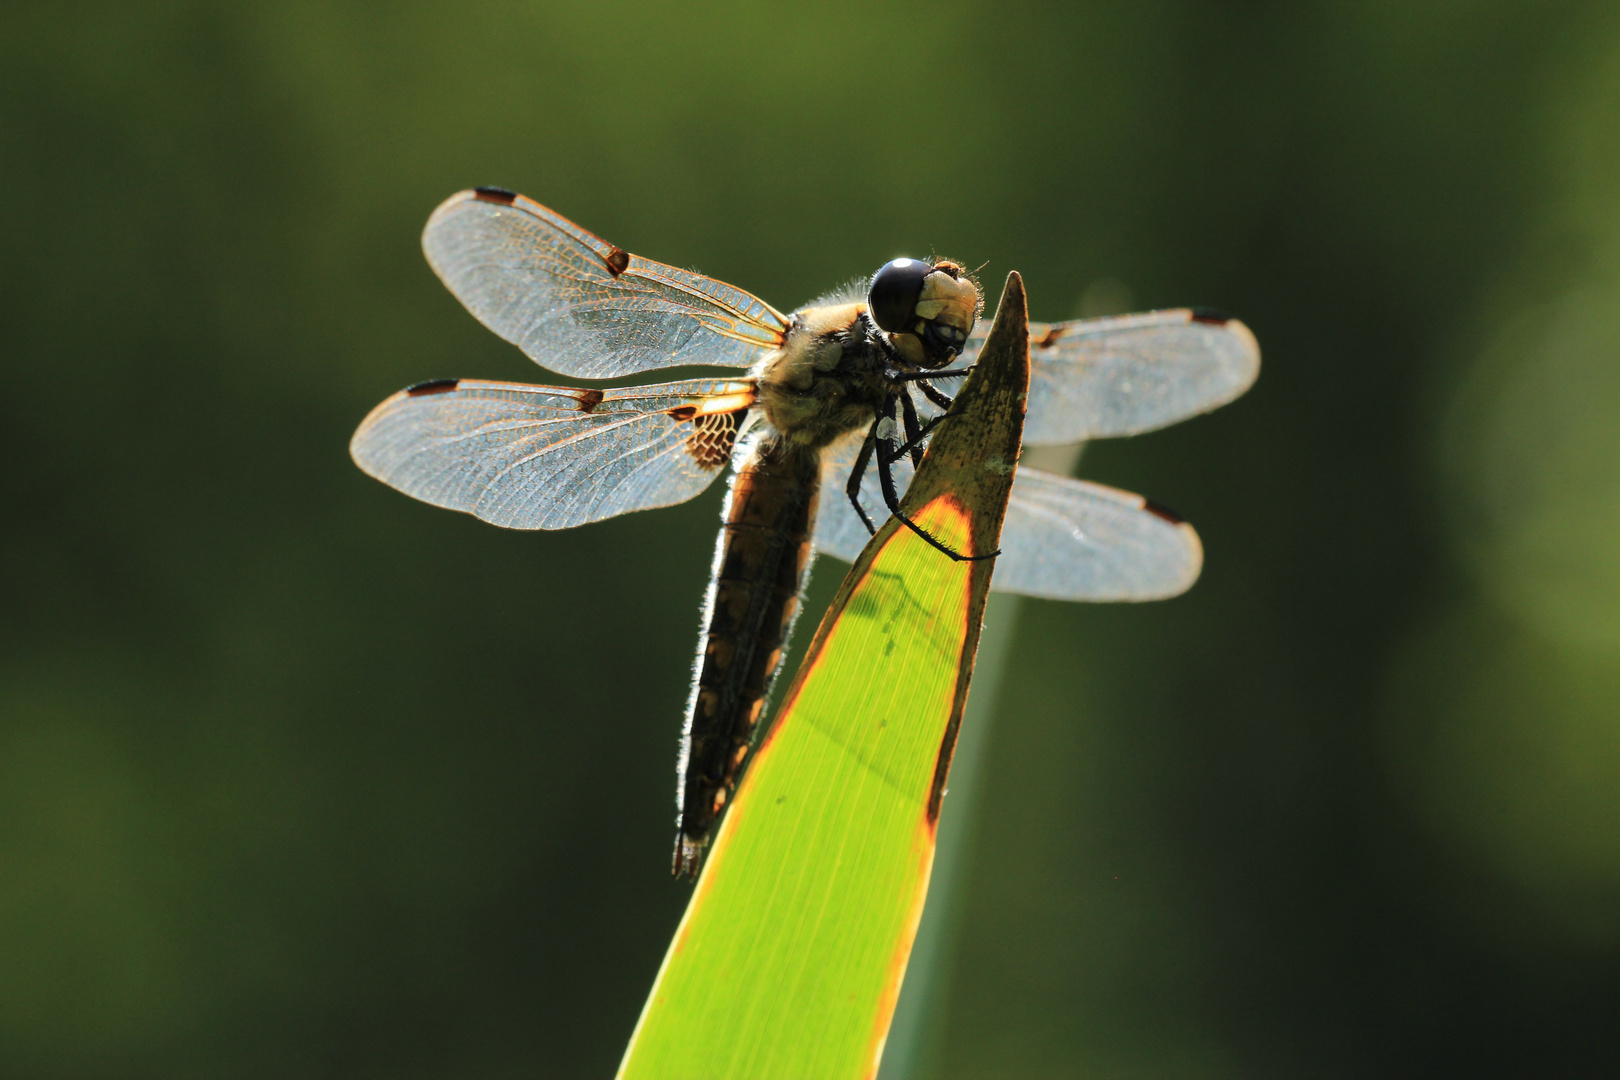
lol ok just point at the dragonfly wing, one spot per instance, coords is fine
(551, 457)
(577, 304)
(1067, 539)
(1100, 378)
(1063, 539)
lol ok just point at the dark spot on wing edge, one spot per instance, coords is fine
(1210, 315)
(617, 260)
(1162, 512)
(1050, 338)
(432, 386)
(495, 195)
(588, 400)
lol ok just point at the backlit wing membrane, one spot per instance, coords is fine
(551, 457)
(1068, 539)
(1098, 378)
(580, 306)
(1063, 539)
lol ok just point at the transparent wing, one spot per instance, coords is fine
(580, 306)
(1063, 539)
(551, 457)
(1099, 378)
(1067, 539)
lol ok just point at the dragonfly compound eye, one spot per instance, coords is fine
(892, 296)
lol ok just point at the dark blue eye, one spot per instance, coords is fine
(892, 297)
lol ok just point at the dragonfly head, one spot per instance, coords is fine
(926, 307)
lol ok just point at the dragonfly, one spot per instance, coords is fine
(821, 415)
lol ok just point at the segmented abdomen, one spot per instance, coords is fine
(761, 560)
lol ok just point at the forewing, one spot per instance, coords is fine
(551, 457)
(580, 306)
(1100, 378)
(1063, 539)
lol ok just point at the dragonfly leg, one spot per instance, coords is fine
(885, 434)
(913, 446)
(857, 473)
(933, 393)
(891, 498)
(920, 376)
(908, 412)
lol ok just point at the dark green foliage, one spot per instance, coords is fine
(300, 777)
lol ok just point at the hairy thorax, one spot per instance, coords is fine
(827, 378)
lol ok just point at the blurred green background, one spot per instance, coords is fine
(300, 777)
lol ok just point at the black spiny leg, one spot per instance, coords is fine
(857, 473)
(923, 376)
(908, 412)
(934, 394)
(891, 498)
(914, 446)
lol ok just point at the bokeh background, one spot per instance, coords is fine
(299, 777)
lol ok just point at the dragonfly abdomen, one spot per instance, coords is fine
(760, 566)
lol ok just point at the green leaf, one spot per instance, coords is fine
(790, 956)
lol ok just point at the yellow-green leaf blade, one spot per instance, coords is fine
(789, 959)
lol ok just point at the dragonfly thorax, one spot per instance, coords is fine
(829, 378)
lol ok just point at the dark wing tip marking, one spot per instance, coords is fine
(432, 386)
(495, 195)
(588, 400)
(1163, 512)
(1213, 316)
(1050, 338)
(618, 260)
